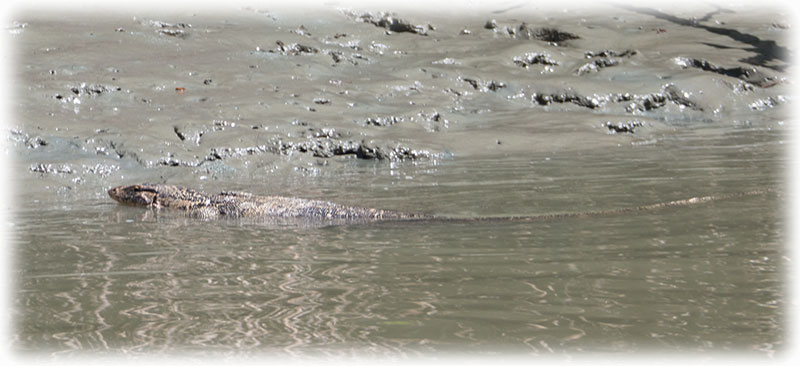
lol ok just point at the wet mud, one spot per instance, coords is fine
(254, 90)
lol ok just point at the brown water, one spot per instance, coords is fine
(211, 108)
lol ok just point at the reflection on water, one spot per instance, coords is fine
(100, 277)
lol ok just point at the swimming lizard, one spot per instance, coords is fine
(247, 205)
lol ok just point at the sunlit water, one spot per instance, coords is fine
(92, 276)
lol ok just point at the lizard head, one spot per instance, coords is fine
(135, 195)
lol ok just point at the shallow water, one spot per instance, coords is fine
(93, 277)
(705, 278)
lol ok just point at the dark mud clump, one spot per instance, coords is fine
(301, 31)
(432, 121)
(102, 170)
(596, 65)
(324, 142)
(325, 147)
(669, 93)
(31, 142)
(747, 74)
(191, 134)
(549, 35)
(485, 86)
(392, 23)
(177, 30)
(553, 35)
(765, 103)
(170, 160)
(339, 56)
(610, 53)
(647, 102)
(84, 89)
(534, 58)
(44, 168)
(330, 147)
(602, 59)
(93, 89)
(371, 151)
(383, 121)
(620, 127)
(325, 132)
(293, 49)
(567, 96)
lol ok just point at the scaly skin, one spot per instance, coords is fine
(247, 205)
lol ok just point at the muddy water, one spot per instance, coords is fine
(534, 113)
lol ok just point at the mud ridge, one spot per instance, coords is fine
(668, 93)
(177, 30)
(623, 127)
(392, 23)
(534, 58)
(750, 75)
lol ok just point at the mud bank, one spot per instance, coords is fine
(188, 95)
